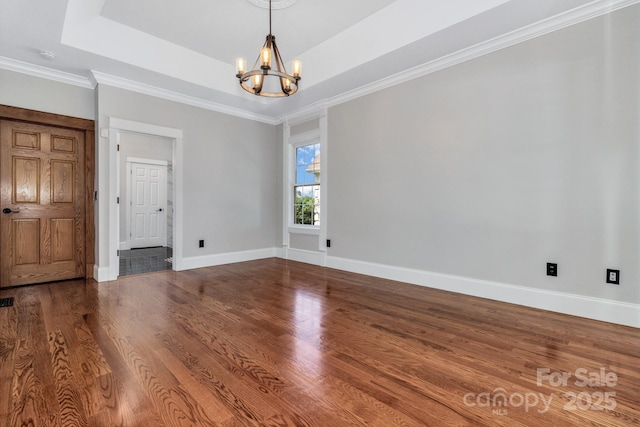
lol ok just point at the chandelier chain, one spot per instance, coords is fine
(270, 17)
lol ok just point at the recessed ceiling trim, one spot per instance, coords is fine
(86, 29)
(93, 38)
(329, 58)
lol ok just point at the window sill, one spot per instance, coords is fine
(299, 229)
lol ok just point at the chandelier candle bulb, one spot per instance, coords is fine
(296, 68)
(257, 81)
(265, 61)
(241, 66)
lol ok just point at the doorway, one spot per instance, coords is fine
(146, 203)
(109, 235)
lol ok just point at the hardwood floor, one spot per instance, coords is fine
(279, 343)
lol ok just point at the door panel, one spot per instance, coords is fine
(62, 181)
(41, 178)
(26, 239)
(63, 144)
(25, 139)
(62, 242)
(26, 180)
(148, 205)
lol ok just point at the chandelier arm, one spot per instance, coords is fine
(285, 90)
(278, 58)
(255, 64)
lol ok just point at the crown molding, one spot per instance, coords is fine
(44, 72)
(157, 92)
(309, 112)
(555, 23)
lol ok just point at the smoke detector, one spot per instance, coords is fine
(47, 55)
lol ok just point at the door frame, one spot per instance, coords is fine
(88, 127)
(116, 126)
(128, 191)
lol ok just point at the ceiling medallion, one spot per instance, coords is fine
(277, 4)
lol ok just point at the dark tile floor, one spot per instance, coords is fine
(145, 260)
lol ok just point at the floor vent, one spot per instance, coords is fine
(6, 302)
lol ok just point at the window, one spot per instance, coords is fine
(305, 184)
(306, 187)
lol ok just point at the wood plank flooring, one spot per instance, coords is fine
(280, 343)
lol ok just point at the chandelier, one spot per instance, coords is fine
(269, 79)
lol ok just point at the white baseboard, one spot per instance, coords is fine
(124, 246)
(225, 258)
(576, 305)
(302, 255)
(104, 274)
(101, 274)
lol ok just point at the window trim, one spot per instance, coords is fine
(294, 142)
(317, 134)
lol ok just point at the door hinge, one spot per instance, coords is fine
(118, 252)
(118, 201)
(118, 147)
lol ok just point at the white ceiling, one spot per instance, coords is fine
(186, 50)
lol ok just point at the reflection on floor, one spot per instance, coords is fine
(145, 260)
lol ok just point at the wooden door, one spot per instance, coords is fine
(42, 200)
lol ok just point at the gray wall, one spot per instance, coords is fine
(279, 186)
(229, 186)
(34, 93)
(494, 167)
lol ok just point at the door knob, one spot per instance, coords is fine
(8, 211)
(159, 210)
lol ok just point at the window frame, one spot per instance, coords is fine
(294, 142)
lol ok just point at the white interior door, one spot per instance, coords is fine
(148, 198)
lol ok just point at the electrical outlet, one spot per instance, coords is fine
(201, 244)
(552, 269)
(613, 276)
